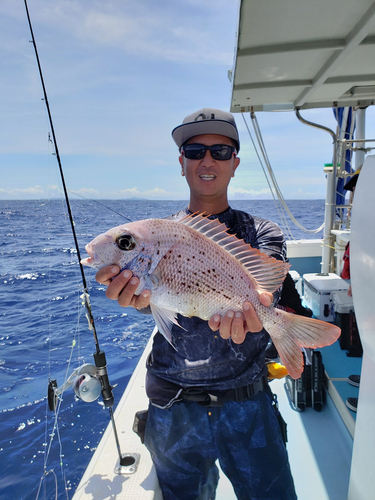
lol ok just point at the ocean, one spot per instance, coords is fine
(44, 334)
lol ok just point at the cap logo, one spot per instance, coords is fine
(202, 116)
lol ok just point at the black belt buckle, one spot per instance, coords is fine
(196, 394)
(244, 393)
(248, 391)
(201, 397)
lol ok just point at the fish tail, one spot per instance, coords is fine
(299, 331)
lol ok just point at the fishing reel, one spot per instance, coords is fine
(85, 382)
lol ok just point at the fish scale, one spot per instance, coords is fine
(199, 279)
(194, 267)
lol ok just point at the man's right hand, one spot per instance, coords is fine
(121, 287)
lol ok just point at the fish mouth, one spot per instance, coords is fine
(88, 261)
(93, 260)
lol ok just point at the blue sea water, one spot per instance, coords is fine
(42, 317)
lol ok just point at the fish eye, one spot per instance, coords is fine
(126, 242)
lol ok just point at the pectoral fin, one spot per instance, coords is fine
(165, 320)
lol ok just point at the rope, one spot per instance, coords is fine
(281, 215)
(280, 197)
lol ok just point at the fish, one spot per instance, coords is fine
(194, 267)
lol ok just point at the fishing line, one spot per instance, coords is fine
(48, 438)
(101, 204)
(99, 355)
(54, 141)
(56, 430)
(41, 482)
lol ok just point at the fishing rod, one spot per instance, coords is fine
(88, 380)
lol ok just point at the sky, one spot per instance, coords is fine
(120, 75)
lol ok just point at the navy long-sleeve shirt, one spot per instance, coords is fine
(202, 357)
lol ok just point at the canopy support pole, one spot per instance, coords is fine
(330, 207)
(359, 157)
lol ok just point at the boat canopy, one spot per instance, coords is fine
(304, 54)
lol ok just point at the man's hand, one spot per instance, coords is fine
(236, 325)
(121, 287)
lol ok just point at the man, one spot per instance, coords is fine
(209, 398)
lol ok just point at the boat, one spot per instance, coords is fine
(292, 56)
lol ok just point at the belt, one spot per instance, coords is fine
(238, 394)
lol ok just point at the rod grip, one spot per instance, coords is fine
(101, 365)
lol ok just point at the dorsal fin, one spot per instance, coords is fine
(268, 272)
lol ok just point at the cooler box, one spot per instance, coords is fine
(345, 319)
(317, 293)
(342, 303)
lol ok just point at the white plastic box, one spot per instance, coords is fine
(317, 293)
(342, 303)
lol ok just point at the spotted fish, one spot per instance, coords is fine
(195, 268)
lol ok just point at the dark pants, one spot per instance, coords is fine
(186, 440)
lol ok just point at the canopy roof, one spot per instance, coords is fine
(304, 54)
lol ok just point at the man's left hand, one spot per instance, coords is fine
(237, 324)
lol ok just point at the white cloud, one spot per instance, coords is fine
(252, 192)
(35, 190)
(291, 180)
(110, 29)
(302, 193)
(90, 191)
(147, 31)
(156, 193)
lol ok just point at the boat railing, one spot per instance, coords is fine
(343, 211)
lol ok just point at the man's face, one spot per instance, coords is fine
(209, 177)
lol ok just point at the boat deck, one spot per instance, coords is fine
(338, 367)
(319, 443)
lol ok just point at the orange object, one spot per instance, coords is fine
(276, 370)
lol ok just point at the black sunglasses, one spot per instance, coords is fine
(219, 152)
